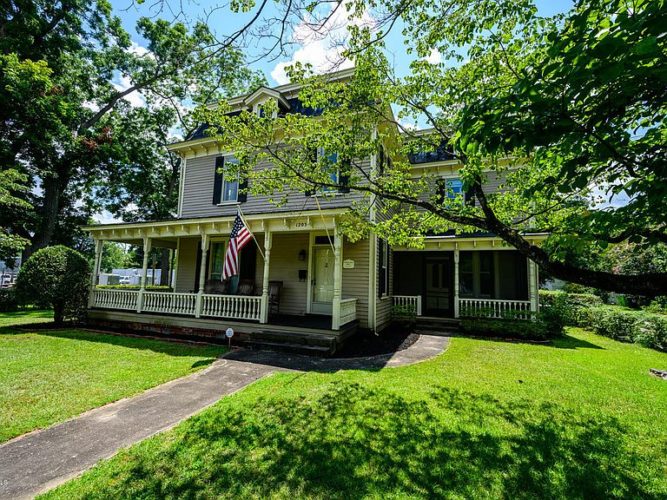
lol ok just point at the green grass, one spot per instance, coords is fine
(486, 419)
(25, 317)
(47, 376)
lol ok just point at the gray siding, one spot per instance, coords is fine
(197, 198)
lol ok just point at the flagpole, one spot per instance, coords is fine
(245, 222)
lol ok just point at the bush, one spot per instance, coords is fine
(641, 327)
(404, 314)
(8, 302)
(506, 328)
(149, 288)
(57, 276)
(572, 307)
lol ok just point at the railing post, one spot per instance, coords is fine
(144, 267)
(457, 311)
(202, 275)
(338, 281)
(419, 305)
(99, 246)
(264, 307)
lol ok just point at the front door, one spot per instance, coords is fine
(323, 278)
(438, 289)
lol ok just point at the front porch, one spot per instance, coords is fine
(293, 276)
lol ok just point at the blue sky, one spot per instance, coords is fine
(316, 52)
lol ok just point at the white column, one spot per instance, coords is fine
(338, 280)
(268, 241)
(144, 267)
(99, 246)
(456, 283)
(174, 271)
(532, 286)
(202, 274)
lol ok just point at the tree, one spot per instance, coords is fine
(58, 276)
(11, 184)
(115, 256)
(68, 128)
(568, 110)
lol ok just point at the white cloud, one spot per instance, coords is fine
(322, 48)
(435, 57)
(134, 98)
(105, 217)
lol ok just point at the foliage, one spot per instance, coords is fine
(573, 306)
(115, 256)
(8, 301)
(645, 328)
(58, 276)
(12, 185)
(68, 124)
(546, 326)
(64, 373)
(578, 418)
(518, 97)
(404, 313)
(150, 288)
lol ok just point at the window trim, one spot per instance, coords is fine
(383, 268)
(223, 176)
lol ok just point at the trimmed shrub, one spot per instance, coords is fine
(58, 276)
(404, 314)
(8, 302)
(149, 288)
(506, 328)
(572, 306)
(641, 327)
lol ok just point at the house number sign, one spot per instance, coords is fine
(348, 264)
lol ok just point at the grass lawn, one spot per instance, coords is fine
(581, 418)
(48, 376)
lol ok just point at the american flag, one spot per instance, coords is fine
(238, 238)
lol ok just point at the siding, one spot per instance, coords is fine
(355, 281)
(187, 263)
(197, 197)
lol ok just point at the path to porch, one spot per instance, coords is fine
(41, 460)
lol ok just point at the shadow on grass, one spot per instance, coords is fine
(564, 342)
(352, 441)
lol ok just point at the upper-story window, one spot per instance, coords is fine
(332, 159)
(338, 173)
(451, 189)
(226, 180)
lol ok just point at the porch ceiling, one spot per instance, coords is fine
(166, 233)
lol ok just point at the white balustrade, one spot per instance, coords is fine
(232, 306)
(115, 299)
(348, 310)
(170, 303)
(413, 302)
(495, 308)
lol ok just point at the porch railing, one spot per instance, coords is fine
(115, 299)
(170, 303)
(413, 302)
(232, 306)
(495, 308)
(348, 310)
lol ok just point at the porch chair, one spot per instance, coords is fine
(246, 287)
(274, 296)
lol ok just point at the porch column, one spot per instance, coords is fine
(202, 274)
(174, 272)
(456, 283)
(338, 280)
(99, 246)
(532, 286)
(268, 242)
(144, 267)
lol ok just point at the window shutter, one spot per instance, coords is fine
(344, 176)
(242, 197)
(217, 179)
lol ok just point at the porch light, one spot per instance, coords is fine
(302, 255)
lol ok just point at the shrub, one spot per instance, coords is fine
(8, 302)
(150, 288)
(506, 328)
(571, 306)
(59, 277)
(645, 328)
(404, 314)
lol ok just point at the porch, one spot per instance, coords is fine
(293, 275)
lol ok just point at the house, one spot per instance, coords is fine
(303, 283)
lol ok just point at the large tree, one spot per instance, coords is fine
(569, 110)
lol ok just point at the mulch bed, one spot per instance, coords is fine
(366, 343)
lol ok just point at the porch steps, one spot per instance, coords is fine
(436, 326)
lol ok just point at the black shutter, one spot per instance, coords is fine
(469, 198)
(217, 179)
(441, 190)
(382, 282)
(242, 197)
(344, 176)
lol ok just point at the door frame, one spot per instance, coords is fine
(443, 255)
(311, 267)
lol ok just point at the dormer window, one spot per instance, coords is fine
(259, 97)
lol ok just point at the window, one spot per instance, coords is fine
(466, 275)
(339, 171)
(383, 268)
(450, 189)
(217, 260)
(486, 278)
(230, 182)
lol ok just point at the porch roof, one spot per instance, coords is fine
(168, 231)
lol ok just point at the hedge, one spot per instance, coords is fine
(150, 288)
(506, 328)
(8, 301)
(573, 305)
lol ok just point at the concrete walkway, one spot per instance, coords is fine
(41, 460)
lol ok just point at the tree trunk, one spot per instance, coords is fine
(49, 215)
(58, 314)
